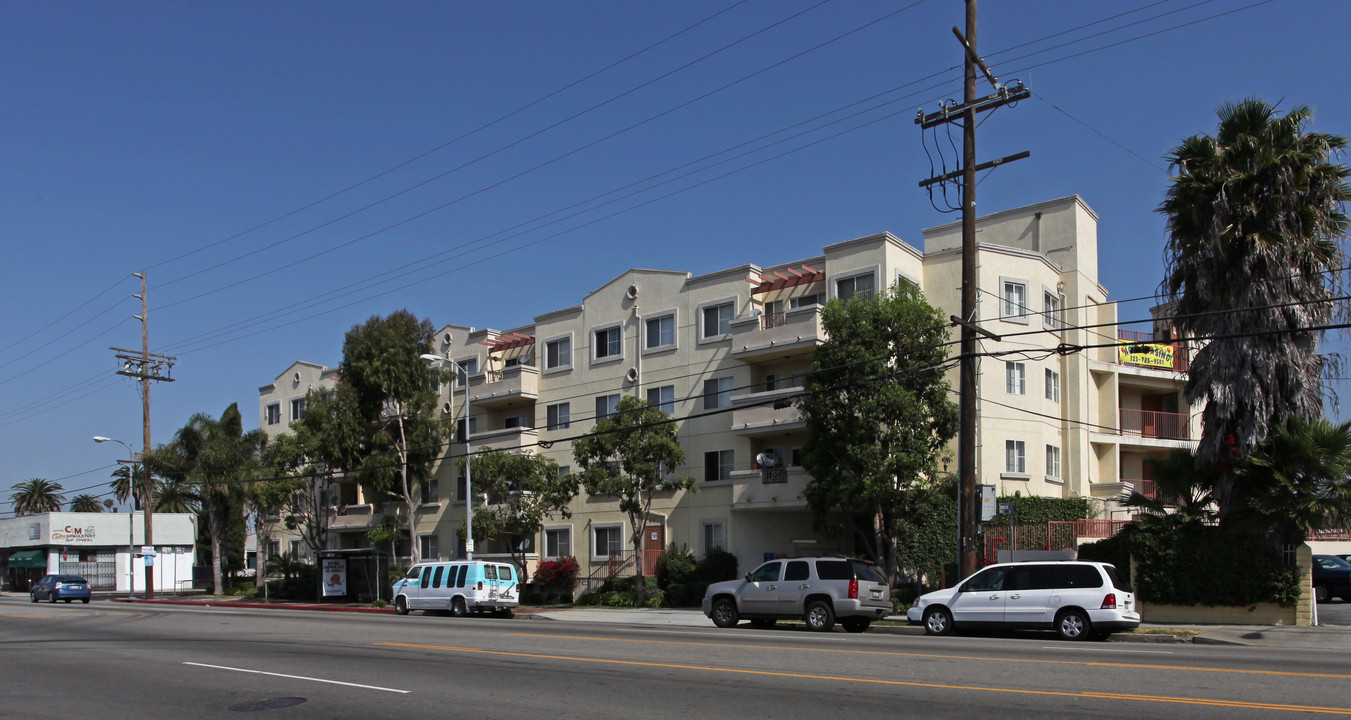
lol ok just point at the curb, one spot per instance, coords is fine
(261, 606)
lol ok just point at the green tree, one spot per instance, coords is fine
(35, 496)
(85, 503)
(878, 415)
(1255, 223)
(1298, 481)
(926, 531)
(631, 455)
(1185, 493)
(216, 459)
(122, 484)
(393, 394)
(523, 490)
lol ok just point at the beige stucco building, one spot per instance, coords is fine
(1060, 412)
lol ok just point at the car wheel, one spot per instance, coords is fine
(856, 625)
(52, 598)
(502, 613)
(32, 597)
(67, 600)
(763, 623)
(401, 605)
(724, 613)
(1320, 593)
(1073, 625)
(458, 608)
(819, 616)
(84, 600)
(937, 621)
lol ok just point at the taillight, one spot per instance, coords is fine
(1109, 602)
(480, 584)
(56, 586)
(853, 589)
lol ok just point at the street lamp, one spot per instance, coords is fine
(435, 361)
(131, 521)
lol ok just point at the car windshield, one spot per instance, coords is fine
(71, 579)
(1117, 582)
(867, 571)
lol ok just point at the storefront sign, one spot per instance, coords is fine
(335, 577)
(1147, 354)
(73, 534)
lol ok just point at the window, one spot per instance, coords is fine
(559, 417)
(1015, 456)
(805, 301)
(606, 540)
(429, 547)
(607, 343)
(714, 536)
(558, 353)
(1015, 378)
(273, 549)
(860, 285)
(274, 413)
(1014, 300)
(1052, 461)
(717, 320)
(660, 332)
(557, 542)
(295, 548)
(518, 421)
(717, 393)
(1052, 385)
(1051, 307)
(564, 470)
(718, 465)
(459, 428)
(662, 398)
(470, 367)
(431, 491)
(297, 409)
(769, 572)
(606, 405)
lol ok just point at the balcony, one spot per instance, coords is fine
(777, 335)
(1165, 356)
(352, 517)
(1155, 425)
(766, 413)
(516, 438)
(771, 490)
(499, 388)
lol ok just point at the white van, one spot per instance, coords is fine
(458, 587)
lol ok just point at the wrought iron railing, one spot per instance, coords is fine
(1154, 424)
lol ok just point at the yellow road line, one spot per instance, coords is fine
(934, 656)
(1217, 702)
(35, 617)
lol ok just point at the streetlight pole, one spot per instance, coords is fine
(131, 519)
(434, 361)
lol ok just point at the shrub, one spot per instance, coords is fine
(378, 603)
(619, 592)
(558, 573)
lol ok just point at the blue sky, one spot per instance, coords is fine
(276, 167)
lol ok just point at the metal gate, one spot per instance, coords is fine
(101, 573)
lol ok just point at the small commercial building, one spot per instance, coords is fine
(108, 549)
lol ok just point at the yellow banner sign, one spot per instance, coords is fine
(1147, 354)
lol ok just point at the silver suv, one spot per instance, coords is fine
(818, 590)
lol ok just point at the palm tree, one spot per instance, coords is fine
(36, 495)
(123, 485)
(1185, 493)
(210, 460)
(85, 503)
(1298, 481)
(1255, 221)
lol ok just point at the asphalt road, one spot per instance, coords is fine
(107, 660)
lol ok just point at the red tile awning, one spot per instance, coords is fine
(510, 341)
(786, 278)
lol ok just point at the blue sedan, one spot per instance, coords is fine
(60, 587)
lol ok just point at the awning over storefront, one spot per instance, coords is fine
(28, 559)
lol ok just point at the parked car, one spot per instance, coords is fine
(1331, 578)
(1076, 599)
(60, 587)
(818, 590)
(458, 588)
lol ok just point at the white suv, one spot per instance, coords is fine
(1076, 599)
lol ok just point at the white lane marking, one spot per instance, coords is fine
(1109, 650)
(299, 677)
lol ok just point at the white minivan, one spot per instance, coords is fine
(1076, 599)
(458, 587)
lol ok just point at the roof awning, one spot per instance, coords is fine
(790, 282)
(510, 341)
(28, 559)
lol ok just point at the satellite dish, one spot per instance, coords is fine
(767, 460)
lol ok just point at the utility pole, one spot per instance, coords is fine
(145, 366)
(965, 114)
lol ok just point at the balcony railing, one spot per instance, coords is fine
(1155, 425)
(773, 320)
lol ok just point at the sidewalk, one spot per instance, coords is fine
(1331, 637)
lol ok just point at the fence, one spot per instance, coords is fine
(621, 563)
(1053, 535)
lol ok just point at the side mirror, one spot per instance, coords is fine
(748, 577)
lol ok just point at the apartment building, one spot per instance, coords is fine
(1064, 409)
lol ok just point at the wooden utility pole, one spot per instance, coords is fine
(968, 516)
(145, 366)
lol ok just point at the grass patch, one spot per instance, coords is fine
(1179, 632)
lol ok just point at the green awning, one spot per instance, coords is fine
(28, 559)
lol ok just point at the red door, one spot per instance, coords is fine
(654, 542)
(1152, 406)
